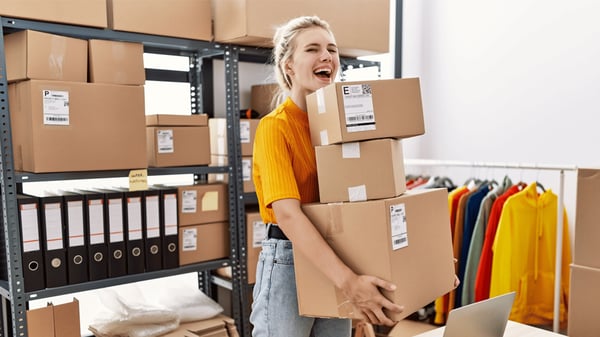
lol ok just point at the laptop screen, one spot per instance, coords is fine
(485, 318)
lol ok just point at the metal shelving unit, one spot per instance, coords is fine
(14, 298)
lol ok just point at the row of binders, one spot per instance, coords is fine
(70, 237)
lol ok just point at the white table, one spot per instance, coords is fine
(513, 329)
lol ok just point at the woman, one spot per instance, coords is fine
(284, 171)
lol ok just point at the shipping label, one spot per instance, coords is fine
(55, 107)
(398, 224)
(358, 107)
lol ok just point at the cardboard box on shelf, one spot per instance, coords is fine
(246, 22)
(218, 135)
(256, 232)
(183, 144)
(586, 251)
(116, 62)
(43, 56)
(352, 111)
(583, 298)
(248, 183)
(60, 320)
(218, 326)
(203, 242)
(157, 17)
(85, 13)
(262, 97)
(203, 203)
(405, 240)
(69, 126)
(359, 171)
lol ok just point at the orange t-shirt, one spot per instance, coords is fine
(284, 164)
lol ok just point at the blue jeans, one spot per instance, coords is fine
(275, 304)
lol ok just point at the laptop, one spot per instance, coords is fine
(487, 318)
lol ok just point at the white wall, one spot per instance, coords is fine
(512, 81)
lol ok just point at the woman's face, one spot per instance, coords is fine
(315, 61)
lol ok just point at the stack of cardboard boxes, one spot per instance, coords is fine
(585, 270)
(366, 214)
(63, 120)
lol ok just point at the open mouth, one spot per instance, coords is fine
(324, 73)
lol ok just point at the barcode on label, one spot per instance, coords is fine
(361, 118)
(399, 241)
(57, 119)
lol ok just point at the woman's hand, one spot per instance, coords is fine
(364, 294)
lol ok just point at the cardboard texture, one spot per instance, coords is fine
(586, 250)
(43, 56)
(116, 62)
(86, 13)
(203, 203)
(262, 97)
(218, 326)
(351, 111)
(218, 136)
(359, 171)
(405, 240)
(60, 320)
(204, 242)
(583, 300)
(40, 322)
(409, 328)
(256, 232)
(69, 126)
(169, 146)
(247, 182)
(253, 22)
(157, 17)
(177, 120)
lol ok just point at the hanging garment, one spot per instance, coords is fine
(442, 303)
(484, 270)
(474, 250)
(472, 205)
(524, 256)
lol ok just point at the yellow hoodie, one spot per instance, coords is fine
(524, 256)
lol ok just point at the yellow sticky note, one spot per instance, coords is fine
(210, 201)
(138, 180)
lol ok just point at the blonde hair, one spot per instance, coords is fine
(284, 46)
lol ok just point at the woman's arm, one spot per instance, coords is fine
(361, 290)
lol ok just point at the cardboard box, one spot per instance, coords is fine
(359, 171)
(204, 242)
(85, 13)
(60, 320)
(409, 328)
(203, 203)
(40, 321)
(248, 183)
(43, 56)
(352, 111)
(77, 126)
(218, 136)
(363, 29)
(188, 19)
(583, 300)
(116, 62)
(256, 232)
(66, 319)
(220, 325)
(177, 120)
(586, 250)
(405, 240)
(262, 97)
(169, 146)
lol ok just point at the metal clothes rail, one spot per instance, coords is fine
(559, 226)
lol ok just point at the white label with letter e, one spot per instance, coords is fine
(56, 107)
(398, 224)
(358, 107)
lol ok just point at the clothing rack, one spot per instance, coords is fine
(559, 226)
